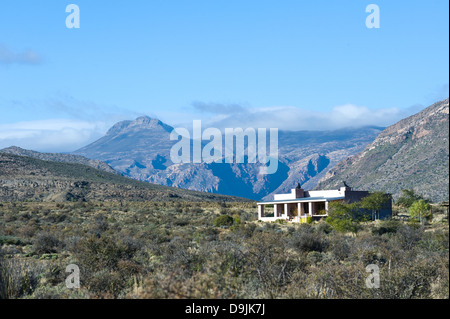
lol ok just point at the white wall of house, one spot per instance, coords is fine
(290, 195)
(326, 193)
(329, 193)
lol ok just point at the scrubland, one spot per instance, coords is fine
(213, 250)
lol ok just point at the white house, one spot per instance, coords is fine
(297, 205)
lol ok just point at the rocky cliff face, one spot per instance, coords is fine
(411, 154)
(140, 149)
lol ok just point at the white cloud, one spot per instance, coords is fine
(10, 57)
(54, 135)
(294, 118)
(218, 108)
(56, 124)
(65, 135)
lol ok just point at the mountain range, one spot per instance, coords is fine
(60, 157)
(411, 154)
(140, 149)
(24, 178)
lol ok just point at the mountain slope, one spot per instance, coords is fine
(141, 148)
(58, 157)
(309, 155)
(27, 178)
(411, 154)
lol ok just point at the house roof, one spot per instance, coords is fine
(303, 199)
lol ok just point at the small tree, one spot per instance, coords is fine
(344, 217)
(374, 202)
(408, 197)
(420, 209)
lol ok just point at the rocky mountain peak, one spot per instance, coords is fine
(13, 150)
(140, 123)
(146, 120)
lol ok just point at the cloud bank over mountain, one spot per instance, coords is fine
(60, 135)
(78, 123)
(296, 118)
(74, 123)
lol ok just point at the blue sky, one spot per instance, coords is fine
(289, 64)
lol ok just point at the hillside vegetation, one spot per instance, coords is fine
(59, 157)
(26, 178)
(213, 250)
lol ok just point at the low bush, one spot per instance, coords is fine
(46, 243)
(386, 227)
(11, 240)
(223, 220)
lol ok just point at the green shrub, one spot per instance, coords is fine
(11, 240)
(344, 217)
(223, 220)
(49, 257)
(323, 227)
(408, 197)
(236, 219)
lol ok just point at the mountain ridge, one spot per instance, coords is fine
(410, 154)
(24, 178)
(141, 148)
(60, 157)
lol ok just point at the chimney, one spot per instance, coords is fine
(299, 191)
(345, 189)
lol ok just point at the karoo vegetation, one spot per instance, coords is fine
(219, 250)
